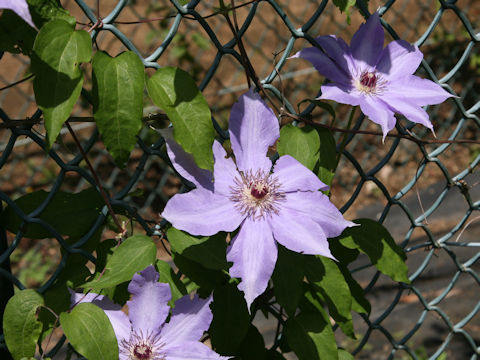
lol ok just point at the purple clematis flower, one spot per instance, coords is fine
(378, 79)
(143, 334)
(20, 7)
(282, 206)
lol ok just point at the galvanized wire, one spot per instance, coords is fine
(285, 29)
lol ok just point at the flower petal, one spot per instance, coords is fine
(253, 128)
(190, 319)
(299, 233)
(119, 320)
(293, 176)
(399, 58)
(20, 7)
(417, 90)
(191, 350)
(184, 163)
(254, 254)
(378, 112)
(411, 111)
(367, 42)
(224, 170)
(201, 212)
(339, 52)
(320, 209)
(148, 308)
(324, 65)
(339, 94)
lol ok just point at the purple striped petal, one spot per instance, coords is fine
(340, 95)
(148, 308)
(254, 254)
(191, 350)
(184, 163)
(201, 212)
(299, 233)
(253, 128)
(320, 209)
(224, 170)
(293, 176)
(417, 91)
(339, 52)
(190, 319)
(378, 112)
(399, 59)
(20, 7)
(411, 111)
(367, 42)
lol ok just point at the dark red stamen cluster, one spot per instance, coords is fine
(368, 80)
(142, 352)
(259, 193)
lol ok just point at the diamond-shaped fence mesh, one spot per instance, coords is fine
(424, 194)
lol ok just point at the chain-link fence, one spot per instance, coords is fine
(424, 193)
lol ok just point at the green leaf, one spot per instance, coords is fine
(207, 251)
(325, 106)
(175, 92)
(70, 214)
(345, 6)
(197, 276)
(311, 337)
(231, 320)
(344, 355)
(16, 36)
(374, 240)
(43, 11)
(133, 255)
(57, 53)
(325, 274)
(288, 278)
(89, 331)
(167, 275)
(274, 355)
(20, 325)
(360, 304)
(301, 143)
(327, 157)
(118, 101)
(253, 346)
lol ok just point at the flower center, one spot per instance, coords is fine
(370, 83)
(256, 195)
(142, 347)
(368, 80)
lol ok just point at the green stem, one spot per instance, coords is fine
(345, 136)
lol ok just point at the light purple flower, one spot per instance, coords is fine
(143, 334)
(282, 206)
(378, 79)
(20, 7)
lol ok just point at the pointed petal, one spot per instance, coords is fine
(367, 42)
(254, 254)
(417, 90)
(20, 7)
(339, 52)
(324, 65)
(320, 209)
(378, 112)
(293, 176)
(184, 163)
(191, 350)
(339, 94)
(411, 111)
(253, 128)
(148, 308)
(201, 212)
(224, 170)
(398, 59)
(119, 320)
(299, 233)
(190, 319)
